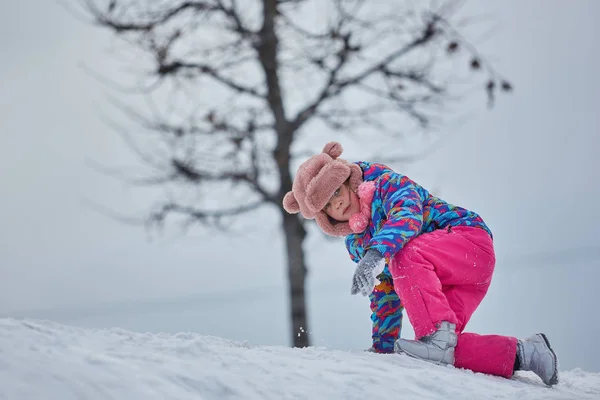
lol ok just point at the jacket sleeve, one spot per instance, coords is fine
(403, 207)
(386, 307)
(386, 314)
(355, 244)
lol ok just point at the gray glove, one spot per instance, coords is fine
(364, 277)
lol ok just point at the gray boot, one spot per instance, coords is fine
(437, 348)
(536, 355)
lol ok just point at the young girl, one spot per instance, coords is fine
(436, 257)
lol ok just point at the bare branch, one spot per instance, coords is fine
(105, 211)
(163, 211)
(108, 19)
(175, 66)
(233, 14)
(333, 87)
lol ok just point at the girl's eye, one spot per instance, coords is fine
(336, 193)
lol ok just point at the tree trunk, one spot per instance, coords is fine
(294, 238)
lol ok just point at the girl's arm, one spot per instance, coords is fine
(386, 307)
(404, 210)
(386, 315)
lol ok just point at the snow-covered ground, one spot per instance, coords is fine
(47, 360)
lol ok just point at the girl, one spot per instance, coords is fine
(436, 257)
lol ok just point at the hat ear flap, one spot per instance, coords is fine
(290, 204)
(333, 149)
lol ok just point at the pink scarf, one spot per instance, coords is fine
(359, 221)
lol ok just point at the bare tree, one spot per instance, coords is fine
(247, 79)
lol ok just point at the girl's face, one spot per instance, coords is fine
(343, 204)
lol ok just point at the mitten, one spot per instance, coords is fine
(364, 276)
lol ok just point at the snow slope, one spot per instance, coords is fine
(47, 360)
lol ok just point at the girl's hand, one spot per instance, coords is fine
(364, 276)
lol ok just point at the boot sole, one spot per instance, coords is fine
(554, 379)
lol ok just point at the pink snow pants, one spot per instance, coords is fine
(443, 276)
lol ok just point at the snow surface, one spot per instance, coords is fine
(47, 360)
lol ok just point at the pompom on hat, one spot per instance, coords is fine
(316, 181)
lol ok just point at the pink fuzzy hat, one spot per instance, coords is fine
(316, 181)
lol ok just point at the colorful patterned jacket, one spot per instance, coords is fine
(401, 210)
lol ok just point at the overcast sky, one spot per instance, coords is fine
(529, 167)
